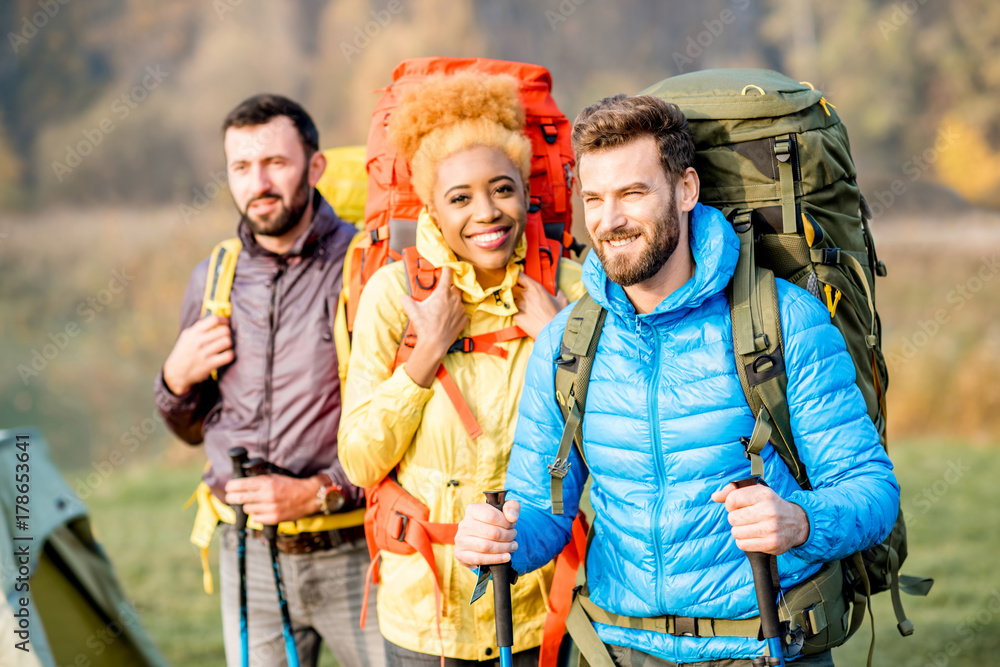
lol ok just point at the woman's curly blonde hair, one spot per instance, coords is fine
(450, 113)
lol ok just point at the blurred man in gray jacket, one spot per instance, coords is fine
(278, 392)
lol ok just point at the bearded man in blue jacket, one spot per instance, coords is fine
(665, 413)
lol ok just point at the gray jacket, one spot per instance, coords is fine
(280, 397)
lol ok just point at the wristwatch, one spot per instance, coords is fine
(331, 498)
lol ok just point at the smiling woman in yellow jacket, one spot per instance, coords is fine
(470, 160)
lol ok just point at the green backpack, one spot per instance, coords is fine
(774, 157)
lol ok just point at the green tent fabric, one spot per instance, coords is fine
(76, 610)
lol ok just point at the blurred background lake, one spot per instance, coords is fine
(112, 187)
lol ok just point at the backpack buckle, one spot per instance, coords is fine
(404, 522)
(559, 468)
(685, 626)
(550, 133)
(463, 345)
(830, 255)
(783, 149)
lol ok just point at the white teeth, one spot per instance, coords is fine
(489, 238)
(622, 242)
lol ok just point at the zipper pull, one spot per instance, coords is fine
(831, 299)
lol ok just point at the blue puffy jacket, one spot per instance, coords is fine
(664, 417)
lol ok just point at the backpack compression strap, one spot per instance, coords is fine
(422, 277)
(219, 282)
(579, 346)
(541, 260)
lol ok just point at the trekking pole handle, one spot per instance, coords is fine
(239, 458)
(254, 468)
(767, 598)
(501, 585)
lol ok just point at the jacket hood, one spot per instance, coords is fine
(432, 247)
(715, 249)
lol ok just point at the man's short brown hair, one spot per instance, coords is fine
(619, 120)
(261, 109)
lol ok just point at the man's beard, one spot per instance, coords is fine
(283, 218)
(661, 242)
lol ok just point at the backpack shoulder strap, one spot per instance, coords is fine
(421, 279)
(576, 360)
(219, 281)
(347, 304)
(421, 275)
(760, 355)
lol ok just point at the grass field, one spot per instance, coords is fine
(949, 493)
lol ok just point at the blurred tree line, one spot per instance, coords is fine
(902, 73)
(111, 160)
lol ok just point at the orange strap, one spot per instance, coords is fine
(561, 593)
(555, 168)
(472, 426)
(419, 535)
(354, 285)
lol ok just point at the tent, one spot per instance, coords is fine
(62, 602)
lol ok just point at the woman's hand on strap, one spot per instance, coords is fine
(535, 306)
(438, 321)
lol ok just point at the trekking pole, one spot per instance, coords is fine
(239, 457)
(254, 468)
(767, 605)
(501, 594)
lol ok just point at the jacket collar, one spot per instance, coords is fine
(715, 249)
(323, 223)
(432, 247)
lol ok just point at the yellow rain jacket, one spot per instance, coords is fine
(389, 420)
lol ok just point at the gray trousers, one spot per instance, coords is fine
(323, 590)
(627, 657)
